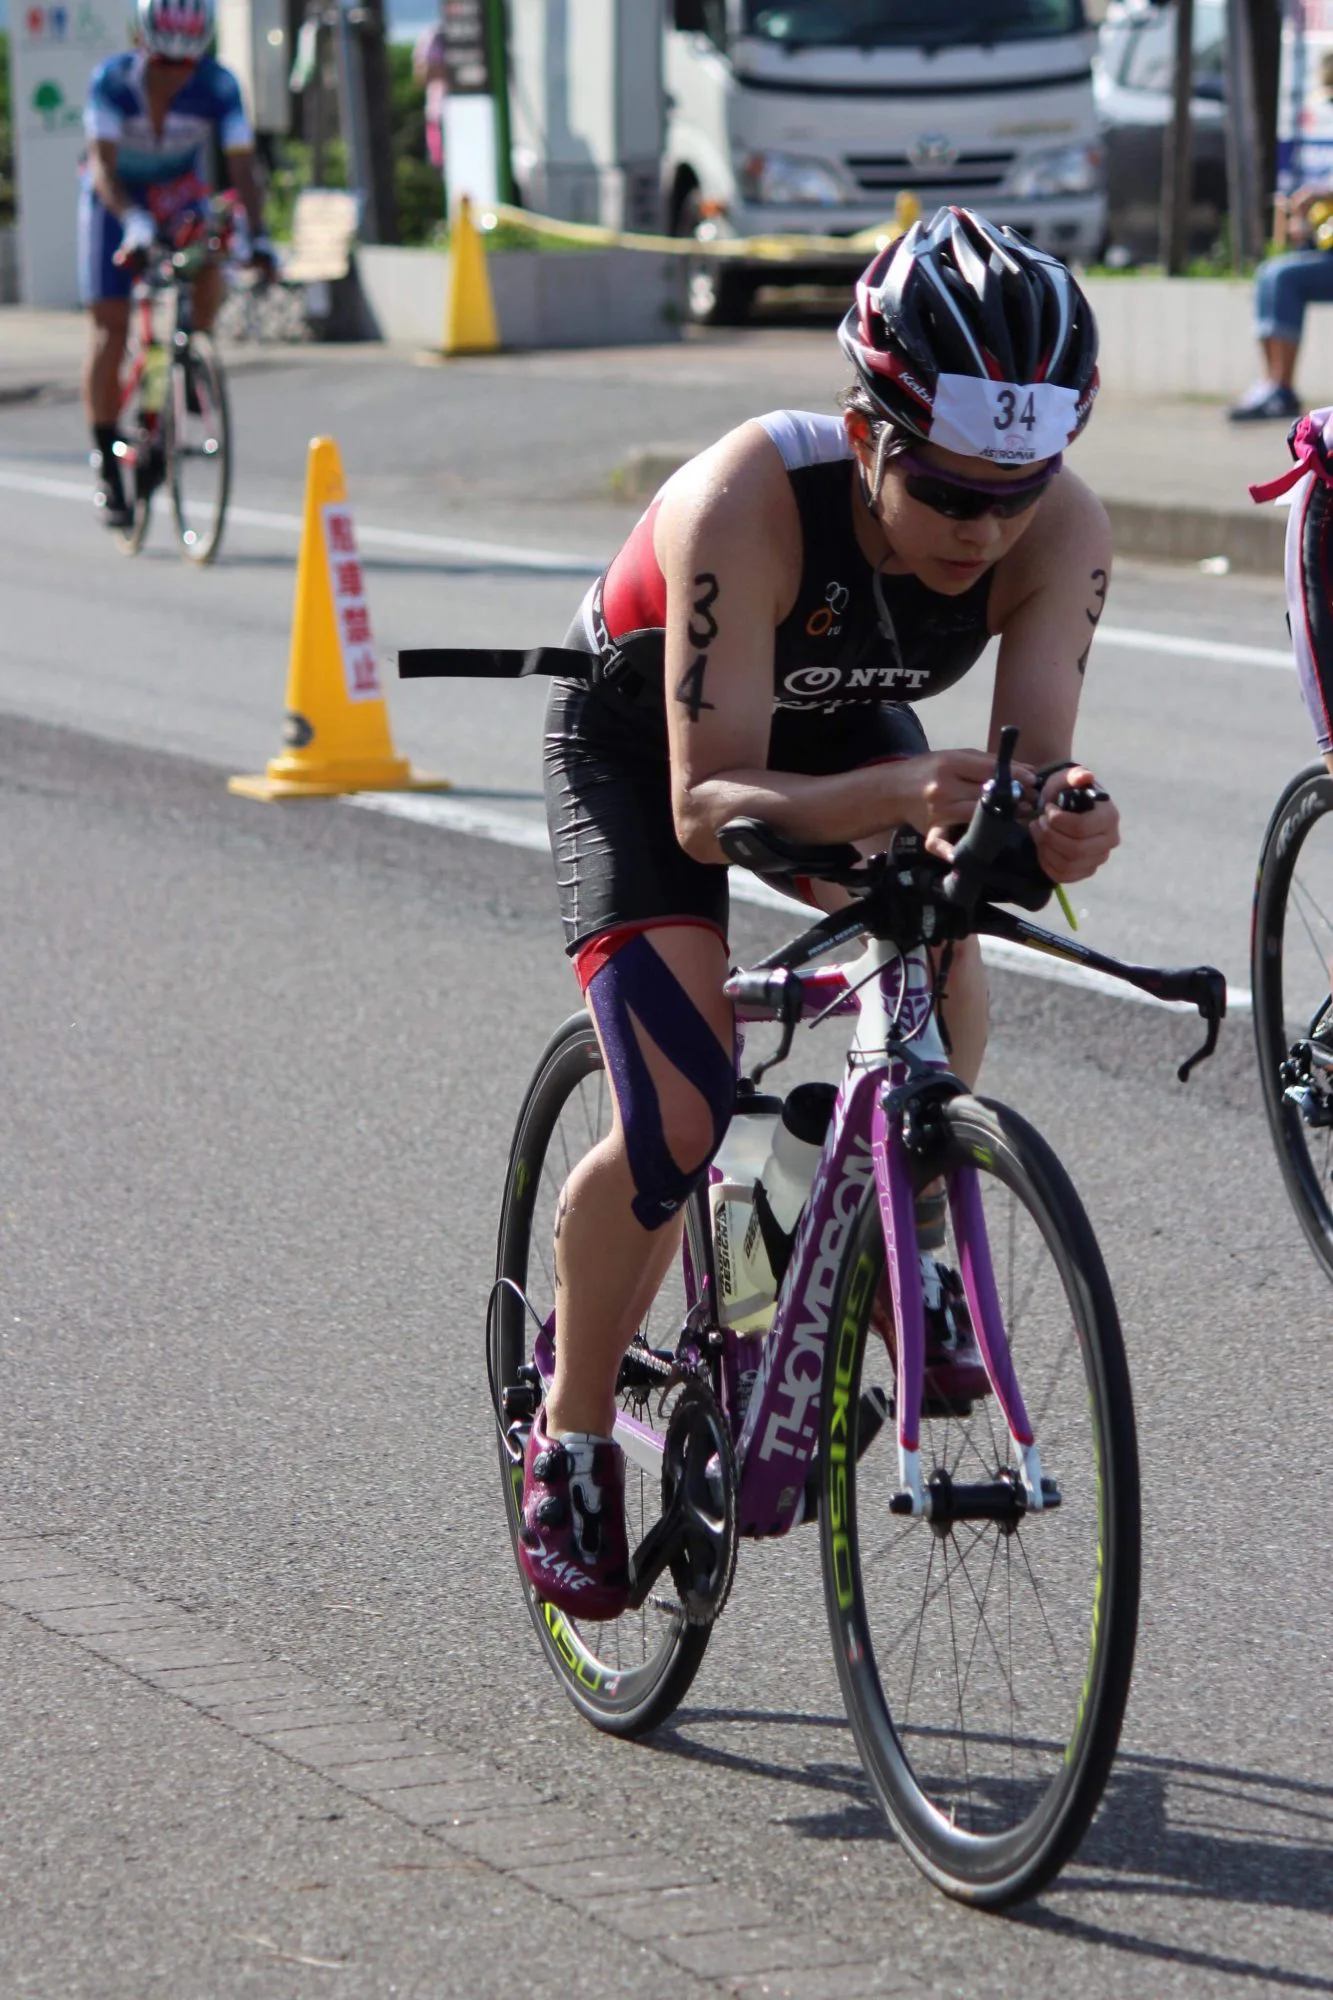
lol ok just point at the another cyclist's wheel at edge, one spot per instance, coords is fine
(1292, 937)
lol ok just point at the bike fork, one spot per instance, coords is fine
(897, 1200)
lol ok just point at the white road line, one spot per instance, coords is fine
(1195, 649)
(506, 555)
(501, 555)
(510, 830)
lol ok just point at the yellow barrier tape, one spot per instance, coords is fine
(767, 249)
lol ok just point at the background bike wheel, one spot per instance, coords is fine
(198, 427)
(1291, 962)
(130, 539)
(986, 1669)
(625, 1674)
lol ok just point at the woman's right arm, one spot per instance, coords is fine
(728, 541)
(102, 172)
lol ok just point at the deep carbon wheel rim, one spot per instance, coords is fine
(989, 1788)
(1292, 954)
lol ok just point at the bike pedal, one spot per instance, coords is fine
(1315, 1108)
(519, 1402)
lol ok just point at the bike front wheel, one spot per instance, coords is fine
(625, 1674)
(198, 441)
(138, 476)
(1291, 965)
(986, 1663)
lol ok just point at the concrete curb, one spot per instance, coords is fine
(1251, 541)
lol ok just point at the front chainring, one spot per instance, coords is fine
(699, 1476)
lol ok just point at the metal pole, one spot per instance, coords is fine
(355, 122)
(1242, 139)
(1176, 147)
(497, 61)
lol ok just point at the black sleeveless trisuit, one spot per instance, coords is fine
(843, 675)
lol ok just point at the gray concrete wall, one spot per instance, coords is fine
(1195, 337)
(573, 298)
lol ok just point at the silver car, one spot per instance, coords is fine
(1133, 79)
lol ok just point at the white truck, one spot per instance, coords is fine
(809, 117)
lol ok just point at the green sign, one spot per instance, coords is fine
(48, 101)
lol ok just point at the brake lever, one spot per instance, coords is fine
(1212, 1006)
(981, 843)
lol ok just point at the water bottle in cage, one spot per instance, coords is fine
(153, 382)
(786, 1177)
(736, 1166)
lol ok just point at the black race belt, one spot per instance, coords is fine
(630, 668)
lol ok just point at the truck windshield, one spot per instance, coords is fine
(908, 23)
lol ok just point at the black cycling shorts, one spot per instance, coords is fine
(608, 801)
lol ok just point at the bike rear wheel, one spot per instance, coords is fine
(625, 1674)
(1291, 957)
(198, 441)
(986, 1663)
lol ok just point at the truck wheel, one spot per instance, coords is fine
(719, 293)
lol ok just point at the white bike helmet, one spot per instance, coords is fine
(968, 334)
(180, 30)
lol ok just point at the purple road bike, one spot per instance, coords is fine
(980, 1554)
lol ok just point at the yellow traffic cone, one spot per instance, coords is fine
(337, 723)
(469, 314)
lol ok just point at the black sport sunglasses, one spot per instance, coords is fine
(968, 499)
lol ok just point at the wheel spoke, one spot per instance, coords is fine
(631, 1671)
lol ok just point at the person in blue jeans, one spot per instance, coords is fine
(1283, 288)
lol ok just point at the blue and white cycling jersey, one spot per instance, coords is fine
(166, 172)
(176, 157)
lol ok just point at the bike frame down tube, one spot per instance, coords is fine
(782, 1418)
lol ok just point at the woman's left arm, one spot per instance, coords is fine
(1048, 596)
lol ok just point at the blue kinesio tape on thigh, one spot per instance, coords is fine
(637, 981)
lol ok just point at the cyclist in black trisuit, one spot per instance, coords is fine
(757, 647)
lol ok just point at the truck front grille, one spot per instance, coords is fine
(969, 174)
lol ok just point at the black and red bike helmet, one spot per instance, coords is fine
(959, 326)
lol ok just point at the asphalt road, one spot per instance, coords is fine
(260, 1068)
(513, 458)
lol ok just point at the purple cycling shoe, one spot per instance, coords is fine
(572, 1546)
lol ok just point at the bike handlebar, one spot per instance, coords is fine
(909, 897)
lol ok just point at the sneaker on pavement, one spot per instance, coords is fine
(572, 1546)
(1266, 402)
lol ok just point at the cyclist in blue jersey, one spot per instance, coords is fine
(150, 119)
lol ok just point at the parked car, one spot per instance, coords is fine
(1134, 76)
